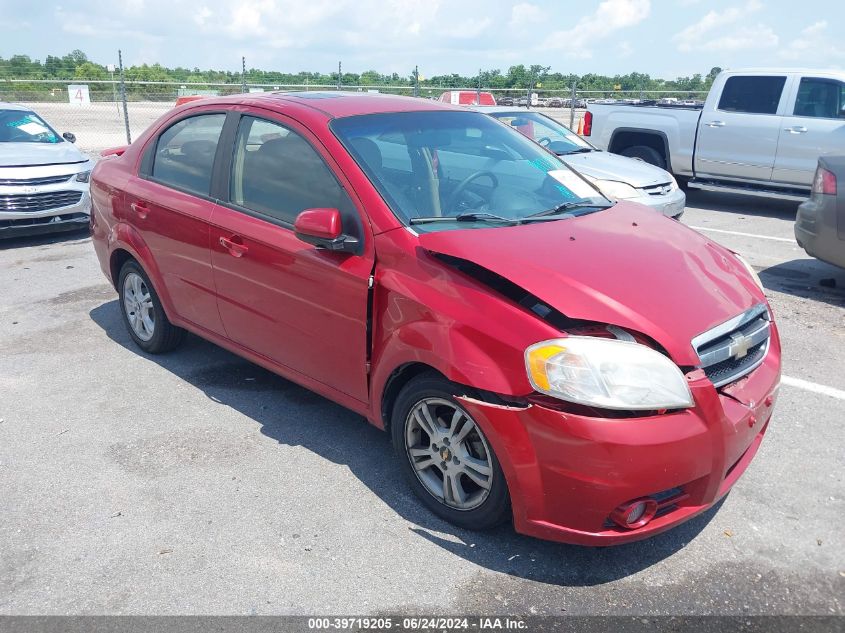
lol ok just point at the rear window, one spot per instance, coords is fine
(821, 98)
(184, 154)
(754, 95)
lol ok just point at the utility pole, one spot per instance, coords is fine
(572, 108)
(416, 81)
(243, 74)
(338, 75)
(478, 89)
(123, 96)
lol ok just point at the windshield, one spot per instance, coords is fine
(20, 126)
(442, 170)
(545, 131)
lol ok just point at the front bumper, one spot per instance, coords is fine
(63, 217)
(820, 230)
(566, 473)
(672, 204)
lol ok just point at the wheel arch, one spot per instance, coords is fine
(625, 137)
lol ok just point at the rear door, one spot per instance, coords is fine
(739, 138)
(170, 205)
(299, 306)
(814, 126)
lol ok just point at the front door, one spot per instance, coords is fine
(301, 307)
(739, 138)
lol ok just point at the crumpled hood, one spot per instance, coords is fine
(26, 154)
(625, 266)
(607, 166)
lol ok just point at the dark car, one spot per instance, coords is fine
(820, 223)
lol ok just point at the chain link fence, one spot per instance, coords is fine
(94, 110)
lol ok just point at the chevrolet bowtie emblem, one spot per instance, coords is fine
(739, 345)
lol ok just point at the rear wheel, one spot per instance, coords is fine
(646, 154)
(446, 456)
(143, 313)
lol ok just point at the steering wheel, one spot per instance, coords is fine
(545, 141)
(453, 199)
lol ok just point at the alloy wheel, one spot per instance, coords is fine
(138, 306)
(448, 453)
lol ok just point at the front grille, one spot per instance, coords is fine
(735, 348)
(659, 190)
(39, 201)
(33, 182)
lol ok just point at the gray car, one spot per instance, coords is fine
(820, 223)
(617, 177)
(43, 177)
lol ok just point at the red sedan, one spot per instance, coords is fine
(594, 371)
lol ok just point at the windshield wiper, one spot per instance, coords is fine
(580, 150)
(479, 216)
(568, 206)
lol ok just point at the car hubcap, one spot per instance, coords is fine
(138, 305)
(448, 453)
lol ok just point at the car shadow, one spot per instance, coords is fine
(736, 204)
(44, 238)
(337, 434)
(806, 278)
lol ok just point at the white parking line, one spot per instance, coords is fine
(814, 387)
(762, 237)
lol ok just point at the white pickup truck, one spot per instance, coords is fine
(759, 131)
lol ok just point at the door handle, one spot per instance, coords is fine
(796, 129)
(715, 124)
(234, 245)
(140, 208)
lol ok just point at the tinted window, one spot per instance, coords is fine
(185, 152)
(820, 98)
(755, 95)
(277, 173)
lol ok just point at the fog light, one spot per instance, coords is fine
(634, 514)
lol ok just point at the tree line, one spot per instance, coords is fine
(77, 66)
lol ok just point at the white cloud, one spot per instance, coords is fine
(610, 16)
(718, 31)
(525, 14)
(814, 45)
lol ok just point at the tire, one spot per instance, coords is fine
(483, 506)
(646, 154)
(142, 312)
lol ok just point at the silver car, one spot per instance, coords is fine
(617, 177)
(43, 177)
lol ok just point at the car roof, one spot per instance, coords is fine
(333, 104)
(14, 106)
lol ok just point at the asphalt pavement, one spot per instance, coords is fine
(198, 483)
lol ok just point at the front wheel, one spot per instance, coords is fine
(446, 456)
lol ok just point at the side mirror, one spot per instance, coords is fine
(322, 228)
(69, 137)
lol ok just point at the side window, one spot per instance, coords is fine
(184, 153)
(821, 98)
(277, 173)
(754, 95)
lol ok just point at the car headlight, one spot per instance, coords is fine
(83, 176)
(616, 190)
(606, 373)
(751, 272)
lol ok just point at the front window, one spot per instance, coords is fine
(444, 170)
(821, 98)
(545, 131)
(21, 126)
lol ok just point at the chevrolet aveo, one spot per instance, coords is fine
(594, 371)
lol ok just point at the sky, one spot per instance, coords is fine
(664, 38)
